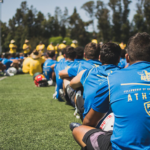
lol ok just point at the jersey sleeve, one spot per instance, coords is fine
(72, 71)
(84, 77)
(101, 100)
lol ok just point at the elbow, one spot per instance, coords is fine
(61, 75)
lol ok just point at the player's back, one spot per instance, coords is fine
(63, 64)
(47, 71)
(83, 65)
(129, 99)
(26, 65)
(35, 66)
(91, 79)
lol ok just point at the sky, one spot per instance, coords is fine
(8, 7)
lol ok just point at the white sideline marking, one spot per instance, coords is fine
(3, 78)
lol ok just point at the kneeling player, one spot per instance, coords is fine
(126, 92)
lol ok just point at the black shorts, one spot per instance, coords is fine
(80, 106)
(97, 138)
(71, 93)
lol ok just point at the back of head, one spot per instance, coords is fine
(63, 51)
(138, 47)
(79, 52)
(7, 55)
(92, 51)
(70, 53)
(51, 54)
(35, 54)
(110, 53)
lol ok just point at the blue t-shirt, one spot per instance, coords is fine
(128, 91)
(1, 59)
(122, 63)
(61, 65)
(47, 71)
(91, 79)
(7, 62)
(21, 57)
(73, 71)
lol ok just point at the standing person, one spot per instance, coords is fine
(61, 46)
(50, 47)
(122, 45)
(26, 47)
(12, 47)
(40, 47)
(74, 44)
(126, 92)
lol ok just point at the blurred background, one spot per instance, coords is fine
(81, 20)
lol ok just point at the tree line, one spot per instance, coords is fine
(28, 23)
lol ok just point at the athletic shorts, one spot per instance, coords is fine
(80, 106)
(71, 93)
(97, 139)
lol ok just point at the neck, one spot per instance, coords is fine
(133, 62)
(69, 59)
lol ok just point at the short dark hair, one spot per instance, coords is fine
(110, 53)
(79, 52)
(63, 51)
(123, 52)
(138, 47)
(70, 52)
(7, 55)
(92, 50)
(51, 53)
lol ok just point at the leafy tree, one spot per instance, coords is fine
(139, 24)
(116, 7)
(89, 7)
(77, 29)
(103, 18)
(125, 28)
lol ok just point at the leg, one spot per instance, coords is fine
(79, 132)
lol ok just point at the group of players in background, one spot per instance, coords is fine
(98, 80)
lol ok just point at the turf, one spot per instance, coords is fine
(31, 119)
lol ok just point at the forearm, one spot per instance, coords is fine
(63, 74)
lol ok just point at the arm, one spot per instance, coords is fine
(63, 74)
(92, 118)
(100, 105)
(75, 82)
(52, 66)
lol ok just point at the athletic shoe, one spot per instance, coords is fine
(74, 125)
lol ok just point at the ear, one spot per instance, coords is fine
(64, 55)
(127, 58)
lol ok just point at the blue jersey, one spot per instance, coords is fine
(128, 91)
(61, 65)
(122, 63)
(73, 71)
(91, 79)
(21, 57)
(1, 59)
(47, 71)
(7, 62)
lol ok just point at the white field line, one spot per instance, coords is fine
(2, 78)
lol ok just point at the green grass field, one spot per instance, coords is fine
(30, 119)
